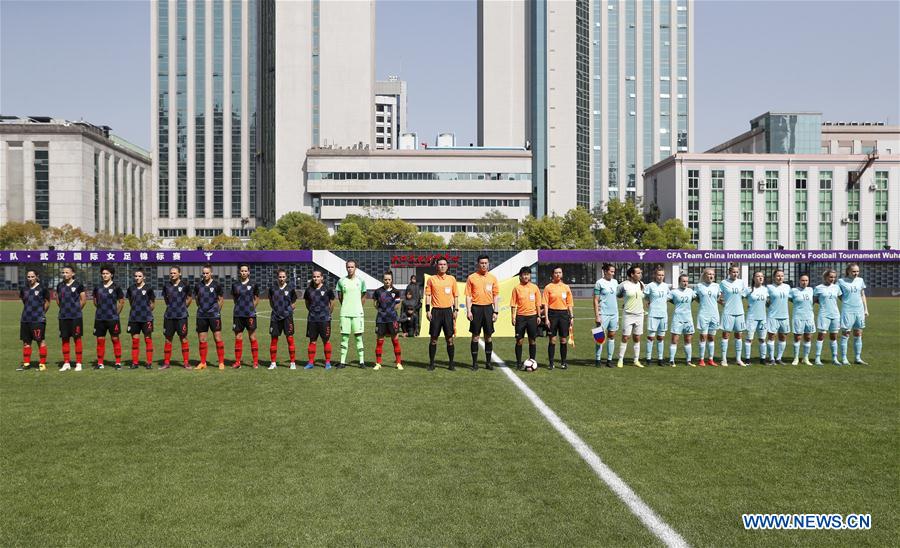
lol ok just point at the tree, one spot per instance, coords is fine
(190, 242)
(429, 240)
(653, 237)
(105, 240)
(144, 241)
(303, 231)
(391, 234)
(577, 229)
(677, 235)
(349, 236)
(461, 240)
(543, 233)
(622, 225)
(67, 237)
(500, 240)
(495, 221)
(265, 238)
(224, 241)
(14, 235)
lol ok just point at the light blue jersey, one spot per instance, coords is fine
(658, 296)
(708, 295)
(828, 295)
(756, 299)
(606, 290)
(682, 318)
(733, 292)
(851, 294)
(803, 303)
(778, 301)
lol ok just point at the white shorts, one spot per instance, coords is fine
(632, 324)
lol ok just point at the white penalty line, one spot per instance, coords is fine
(638, 507)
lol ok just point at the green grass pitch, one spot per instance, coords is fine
(444, 458)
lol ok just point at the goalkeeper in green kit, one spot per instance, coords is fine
(351, 292)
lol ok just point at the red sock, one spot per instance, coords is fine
(135, 349)
(220, 351)
(397, 349)
(238, 350)
(254, 350)
(186, 352)
(148, 342)
(273, 350)
(26, 354)
(292, 350)
(167, 352)
(117, 350)
(379, 345)
(78, 349)
(311, 352)
(328, 351)
(65, 348)
(204, 348)
(42, 352)
(101, 350)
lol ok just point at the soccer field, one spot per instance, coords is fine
(441, 458)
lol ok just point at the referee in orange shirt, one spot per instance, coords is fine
(560, 317)
(524, 304)
(482, 308)
(441, 304)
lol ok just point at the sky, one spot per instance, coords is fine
(91, 60)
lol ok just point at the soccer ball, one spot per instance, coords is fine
(530, 365)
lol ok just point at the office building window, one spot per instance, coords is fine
(236, 109)
(582, 104)
(42, 187)
(800, 210)
(853, 217)
(825, 210)
(162, 72)
(747, 209)
(771, 209)
(181, 120)
(694, 205)
(717, 202)
(96, 191)
(200, 109)
(612, 110)
(252, 37)
(881, 209)
(218, 76)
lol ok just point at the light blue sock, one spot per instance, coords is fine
(747, 348)
(702, 350)
(724, 343)
(857, 346)
(781, 346)
(649, 349)
(598, 352)
(797, 349)
(673, 348)
(807, 346)
(844, 341)
(712, 348)
(762, 349)
(834, 351)
(610, 348)
(738, 346)
(770, 348)
(659, 349)
(688, 351)
(819, 345)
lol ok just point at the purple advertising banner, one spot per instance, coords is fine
(156, 256)
(700, 255)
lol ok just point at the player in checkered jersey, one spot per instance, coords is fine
(246, 296)
(140, 318)
(209, 297)
(35, 302)
(109, 300)
(71, 298)
(177, 295)
(319, 301)
(386, 299)
(283, 298)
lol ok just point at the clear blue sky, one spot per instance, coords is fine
(91, 59)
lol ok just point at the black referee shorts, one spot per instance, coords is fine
(441, 320)
(482, 319)
(559, 322)
(526, 325)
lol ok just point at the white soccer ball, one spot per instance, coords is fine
(530, 365)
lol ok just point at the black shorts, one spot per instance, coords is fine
(559, 322)
(442, 319)
(102, 327)
(209, 324)
(71, 328)
(175, 325)
(526, 324)
(32, 331)
(277, 327)
(482, 319)
(314, 330)
(382, 329)
(242, 323)
(136, 328)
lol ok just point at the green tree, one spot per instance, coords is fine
(461, 240)
(543, 233)
(391, 234)
(266, 238)
(500, 240)
(653, 237)
(577, 229)
(105, 240)
(14, 235)
(224, 241)
(349, 236)
(303, 231)
(621, 225)
(190, 242)
(144, 241)
(429, 240)
(677, 236)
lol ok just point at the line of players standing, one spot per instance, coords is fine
(766, 317)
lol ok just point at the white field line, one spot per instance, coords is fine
(638, 507)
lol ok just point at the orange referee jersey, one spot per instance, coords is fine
(482, 288)
(557, 296)
(526, 299)
(441, 291)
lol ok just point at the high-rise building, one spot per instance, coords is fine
(600, 91)
(390, 113)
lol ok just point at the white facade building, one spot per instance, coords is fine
(601, 90)
(56, 172)
(735, 200)
(440, 190)
(390, 113)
